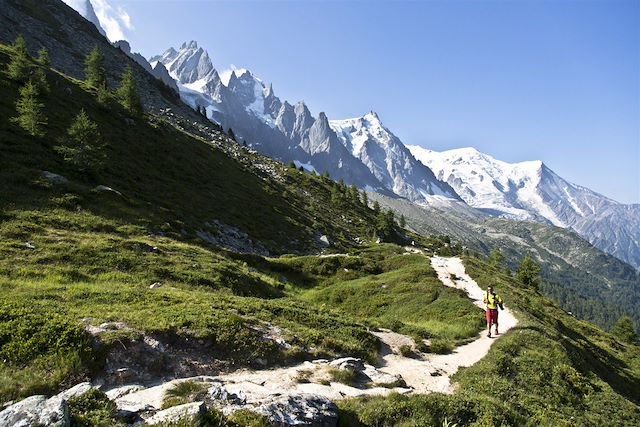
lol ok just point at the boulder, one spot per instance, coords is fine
(36, 410)
(54, 178)
(300, 410)
(176, 413)
(324, 240)
(348, 364)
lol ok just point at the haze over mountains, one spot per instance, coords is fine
(362, 151)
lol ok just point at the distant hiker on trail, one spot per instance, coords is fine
(493, 301)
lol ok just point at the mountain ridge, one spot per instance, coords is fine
(532, 191)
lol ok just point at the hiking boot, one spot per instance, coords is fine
(489, 334)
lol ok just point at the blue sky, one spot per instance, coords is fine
(557, 81)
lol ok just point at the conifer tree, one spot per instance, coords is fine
(365, 198)
(83, 148)
(624, 330)
(376, 206)
(39, 79)
(103, 95)
(495, 258)
(127, 95)
(529, 273)
(43, 57)
(18, 67)
(30, 117)
(95, 74)
(403, 221)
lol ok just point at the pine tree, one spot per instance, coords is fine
(529, 273)
(43, 57)
(376, 206)
(83, 148)
(624, 330)
(103, 95)
(30, 110)
(95, 74)
(365, 198)
(495, 258)
(18, 68)
(127, 95)
(403, 221)
(39, 79)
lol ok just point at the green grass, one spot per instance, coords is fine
(406, 296)
(550, 370)
(185, 392)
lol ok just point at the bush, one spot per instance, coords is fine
(343, 376)
(92, 409)
(184, 392)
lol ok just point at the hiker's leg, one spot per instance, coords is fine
(489, 320)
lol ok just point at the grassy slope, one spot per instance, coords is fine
(68, 253)
(550, 370)
(94, 257)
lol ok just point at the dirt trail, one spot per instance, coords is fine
(433, 373)
(423, 374)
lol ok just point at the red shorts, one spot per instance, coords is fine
(492, 316)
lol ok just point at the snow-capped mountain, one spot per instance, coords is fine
(388, 158)
(287, 132)
(532, 191)
(157, 69)
(85, 9)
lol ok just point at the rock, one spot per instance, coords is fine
(29, 245)
(155, 285)
(36, 410)
(348, 364)
(105, 189)
(176, 413)
(300, 410)
(324, 240)
(75, 391)
(118, 392)
(54, 178)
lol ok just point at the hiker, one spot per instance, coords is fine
(493, 301)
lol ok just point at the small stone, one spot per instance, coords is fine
(29, 245)
(155, 285)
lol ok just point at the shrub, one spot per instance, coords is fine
(92, 409)
(343, 376)
(184, 392)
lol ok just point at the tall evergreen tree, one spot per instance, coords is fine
(95, 74)
(127, 94)
(624, 330)
(83, 148)
(365, 198)
(43, 57)
(376, 206)
(18, 67)
(30, 117)
(529, 273)
(495, 258)
(403, 221)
